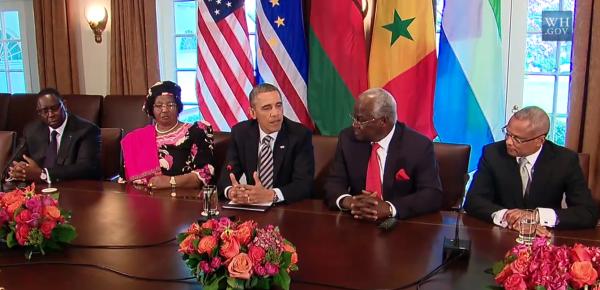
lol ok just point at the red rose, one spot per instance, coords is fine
(505, 273)
(580, 253)
(230, 248)
(23, 217)
(47, 228)
(519, 266)
(515, 282)
(582, 273)
(22, 233)
(257, 254)
(209, 224)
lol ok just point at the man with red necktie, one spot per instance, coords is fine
(382, 168)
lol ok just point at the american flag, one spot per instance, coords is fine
(224, 77)
(282, 54)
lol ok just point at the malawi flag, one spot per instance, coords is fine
(403, 59)
(338, 63)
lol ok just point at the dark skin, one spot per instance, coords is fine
(51, 111)
(522, 139)
(365, 205)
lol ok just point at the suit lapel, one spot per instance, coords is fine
(281, 146)
(252, 149)
(541, 171)
(393, 161)
(513, 180)
(65, 142)
(41, 141)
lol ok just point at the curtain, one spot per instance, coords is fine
(55, 23)
(133, 49)
(583, 123)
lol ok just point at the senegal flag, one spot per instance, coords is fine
(403, 59)
(338, 63)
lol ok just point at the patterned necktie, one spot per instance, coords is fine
(525, 177)
(51, 152)
(265, 167)
(373, 182)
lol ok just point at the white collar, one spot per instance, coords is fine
(385, 141)
(532, 158)
(60, 129)
(262, 135)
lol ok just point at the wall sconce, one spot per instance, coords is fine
(97, 16)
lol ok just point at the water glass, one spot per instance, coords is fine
(210, 200)
(527, 226)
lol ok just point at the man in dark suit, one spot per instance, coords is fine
(526, 171)
(274, 153)
(382, 168)
(58, 146)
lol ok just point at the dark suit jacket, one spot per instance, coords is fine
(408, 150)
(293, 158)
(497, 185)
(79, 152)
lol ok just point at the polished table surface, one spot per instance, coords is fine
(335, 251)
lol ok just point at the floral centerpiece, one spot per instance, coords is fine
(33, 221)
(543, 266)
(223, 254)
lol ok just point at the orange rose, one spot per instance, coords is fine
(52, 212)
(289, 248)
(194, 229)
(209, 224)
(187, 245)
(243, 235)
(582, 273)
(207, 245)
(230, 248)
(240, 267)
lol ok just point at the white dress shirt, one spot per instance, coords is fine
(547, 215)
(60, 130)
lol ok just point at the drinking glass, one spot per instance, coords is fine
(210, 201)
(527, 226)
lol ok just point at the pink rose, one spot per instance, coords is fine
(582, 273)
(230, 248)
(34, 204)
(580, 253)
(257, 254)
(216, 262)
(272, 269)
(514, 282)
(3, 216)
(240, 267)
(207, 245)
(519, 266)
(22, 233)
(260, 270)
(187, 245)
(47, 228)
(204, 267)
(503, 275)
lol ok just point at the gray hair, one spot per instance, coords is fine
(384, 104)
(537, 117)
(262, 88)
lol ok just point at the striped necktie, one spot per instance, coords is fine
(525, 177)
(265, 167)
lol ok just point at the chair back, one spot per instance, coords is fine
(7, 145)
(85, 106)
(324, 148)
(111, 152)
(220, 146)
(453, 163)
(584, 162)
(4, 100)
(21, 111)
(124, 111)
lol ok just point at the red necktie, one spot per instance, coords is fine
(373, 183)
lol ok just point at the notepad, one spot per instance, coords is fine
(253, 207)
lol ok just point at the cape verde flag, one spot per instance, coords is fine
(282, 54)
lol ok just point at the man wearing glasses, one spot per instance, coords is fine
(526, 171)
(382, 168)
(58, 146)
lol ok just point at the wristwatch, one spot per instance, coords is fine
(44, 176)
(391, 211)
(173, 182)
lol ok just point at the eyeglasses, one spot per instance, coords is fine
(356, 122)
(47, 110)
(168, 106)
(517, 139)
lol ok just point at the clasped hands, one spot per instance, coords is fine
(366, 206)
(25, 170)
(513, 219)
(155, 182)
(249, 194)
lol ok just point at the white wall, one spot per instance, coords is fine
(94, 58)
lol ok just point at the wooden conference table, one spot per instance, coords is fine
(335, 251)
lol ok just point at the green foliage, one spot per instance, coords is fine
(282, 279)
(497, 267)
(10, 240)
(64, 233)
(539, 287)
(180, 237)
